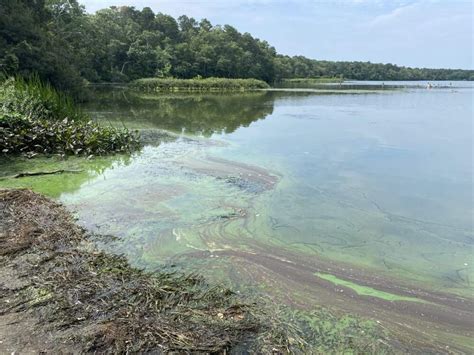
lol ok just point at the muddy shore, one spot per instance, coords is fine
(59, 294)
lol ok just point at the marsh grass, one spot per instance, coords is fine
(197, 84)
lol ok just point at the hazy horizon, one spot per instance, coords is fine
(412, 33)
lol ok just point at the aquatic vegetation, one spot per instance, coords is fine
(367, 291)
(37, 119)
(328, 333)
(32, 136)
(197, 84)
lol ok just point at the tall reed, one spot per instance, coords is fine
(34, 98)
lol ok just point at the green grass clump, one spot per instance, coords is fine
(197, 84)
(37, 119)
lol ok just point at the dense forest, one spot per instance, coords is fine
(301, 67)
(63, 44)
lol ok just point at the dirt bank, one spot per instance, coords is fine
(58, 293)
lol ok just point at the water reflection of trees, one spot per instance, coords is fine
(193, 113)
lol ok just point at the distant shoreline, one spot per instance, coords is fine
(320, 85)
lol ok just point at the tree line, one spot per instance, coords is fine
(66, 46)
(302, 67)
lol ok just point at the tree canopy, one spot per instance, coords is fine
(64, 45)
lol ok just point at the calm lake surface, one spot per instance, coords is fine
(382, 179)
(376, 182)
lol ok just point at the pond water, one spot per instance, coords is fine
(376, 182)
(382, 180)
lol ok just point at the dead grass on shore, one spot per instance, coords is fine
(89, 301)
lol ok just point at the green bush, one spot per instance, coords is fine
(197, 84)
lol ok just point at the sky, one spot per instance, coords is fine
(416, 33)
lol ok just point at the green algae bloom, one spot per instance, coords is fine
(367, 291)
